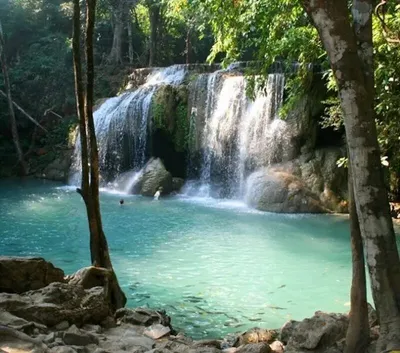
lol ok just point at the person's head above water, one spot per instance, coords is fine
(121, 202)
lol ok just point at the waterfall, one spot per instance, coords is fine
(239, 134)
(121, 125)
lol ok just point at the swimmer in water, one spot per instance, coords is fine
(121, 202)
(158, 193)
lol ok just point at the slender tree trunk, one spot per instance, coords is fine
(188, 45)
(154, 14)
(115, 56)
(130, 39)
(14, 130)
(357, 338)
(89, 191)
(331, 18)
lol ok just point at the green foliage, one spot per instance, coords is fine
(181, 136)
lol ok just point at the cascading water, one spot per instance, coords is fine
(239, 134)
(121, 125)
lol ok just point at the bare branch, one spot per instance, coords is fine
(24, 112)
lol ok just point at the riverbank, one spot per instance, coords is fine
(41, 310)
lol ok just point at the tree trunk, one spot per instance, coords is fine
(89, 191)
(331, 18)
(154, 14)
(130, 39)
(115, 56)
(14, 130)
(357, 338)
(188, 45)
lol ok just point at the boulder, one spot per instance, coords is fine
(321, 333)
(21, 274)
(143, 317)
(255, 348)
(255, 335)
(58, 302)
(77, 337)
(153, 176)
(157, 331)
(277, 347)
(177, 184)
(270, 189)
(287, 330)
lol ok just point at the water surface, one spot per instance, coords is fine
(214, 266)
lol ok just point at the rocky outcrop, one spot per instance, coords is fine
(58, 302)
(154, 175)
(312, 183)
(21, 274)
(58, 169)
(273, 190)
(323, 333)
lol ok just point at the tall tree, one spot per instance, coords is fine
(357, 337)
(154, 7)
(118, 11)
(332, 20)
(89, 190)
(14, 130)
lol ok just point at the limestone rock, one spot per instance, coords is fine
(126, 338)
(58, 169)
(177, 184)
(143, 317)
(62, 349)
(207, 343)
(204, 350)
(255, 335)
(321, 333)
(172, 346)
(56, 303)
(157, 331)
(77, 337)
(154, 175)
(277, 347)
(89, 277)
(21, 274)
(255, 348)
(287, 330)
(272, 190)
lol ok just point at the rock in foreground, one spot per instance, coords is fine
(21, 274)
(58, 302)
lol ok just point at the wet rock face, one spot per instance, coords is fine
(18, 275)
(154, 175)
(275, 191)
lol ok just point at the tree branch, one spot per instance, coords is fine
(24, 112)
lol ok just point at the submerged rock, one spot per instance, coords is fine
(21, 274)
(273, 190)
(154, 175)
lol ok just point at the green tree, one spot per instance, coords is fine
(90, 159)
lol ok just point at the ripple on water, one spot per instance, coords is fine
(215, 266)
